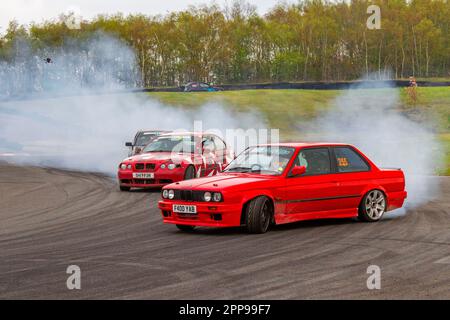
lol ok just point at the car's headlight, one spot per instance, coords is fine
(163, 166)
(165, 194)
(129, 167)
(207, 196)
(171, 194)
(171, 166)
(123, 166)
(217, 196)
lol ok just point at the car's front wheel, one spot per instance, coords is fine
(122, 188)
(259, 213)
(185, 228)
(372, 206)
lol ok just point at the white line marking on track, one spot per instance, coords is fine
(445, 260)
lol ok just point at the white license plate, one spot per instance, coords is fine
(180, 208)
(138, 175)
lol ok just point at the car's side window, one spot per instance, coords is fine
(220, 145)
(208, 144)
(316, 161)
(347, 160)
(137, 137)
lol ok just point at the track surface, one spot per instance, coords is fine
(51, 219)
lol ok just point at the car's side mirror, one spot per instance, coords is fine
(128, 144)
(298, 170)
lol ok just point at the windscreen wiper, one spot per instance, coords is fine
(239, 169)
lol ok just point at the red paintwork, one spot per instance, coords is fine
(205, 164)
(285, 192)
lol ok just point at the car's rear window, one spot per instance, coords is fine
(347, 160)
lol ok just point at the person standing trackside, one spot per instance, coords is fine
(412, 89)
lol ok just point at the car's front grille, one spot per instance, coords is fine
(146, 166)
(188, 195)
(139, 166)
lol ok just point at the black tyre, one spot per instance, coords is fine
(122, 188)
(372, 206)
(185, 228)
(259, 214)
(189, 173)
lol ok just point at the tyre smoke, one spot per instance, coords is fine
(97, 64)
(371, 120)
(58, 113)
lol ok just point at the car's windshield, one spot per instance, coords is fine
(269, 160)
(144, 138)
(182, 143)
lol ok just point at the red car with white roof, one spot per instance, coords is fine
(174, 157)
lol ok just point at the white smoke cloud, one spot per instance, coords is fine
(370, 120)
(98, 63)
(80, 128)
(87, 131)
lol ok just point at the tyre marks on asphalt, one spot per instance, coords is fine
(124, 250)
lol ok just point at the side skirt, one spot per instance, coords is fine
(332, 214)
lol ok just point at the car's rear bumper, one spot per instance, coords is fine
(396, 199)
(208, 214)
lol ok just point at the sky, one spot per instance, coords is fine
(27, 11)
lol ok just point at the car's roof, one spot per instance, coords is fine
(305, 144)
(152, 130)
(184, 133)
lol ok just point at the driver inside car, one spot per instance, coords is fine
(278, 164)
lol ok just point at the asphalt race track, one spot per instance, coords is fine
(50, 219)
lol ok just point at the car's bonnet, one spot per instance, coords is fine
(159, 156)
(221, 181)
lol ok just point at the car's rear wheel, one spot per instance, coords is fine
(372, 206)
(189, 173)
(259, 213)
(122, 188)
(185, 228)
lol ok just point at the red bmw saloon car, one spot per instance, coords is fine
(173, 157)
(277, 184)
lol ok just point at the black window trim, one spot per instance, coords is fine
(334, 161)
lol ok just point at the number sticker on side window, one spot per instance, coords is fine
(342, 162)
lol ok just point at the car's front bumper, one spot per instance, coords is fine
(160, 178)
(209, 214)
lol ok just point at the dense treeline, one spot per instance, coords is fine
(311, 40)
